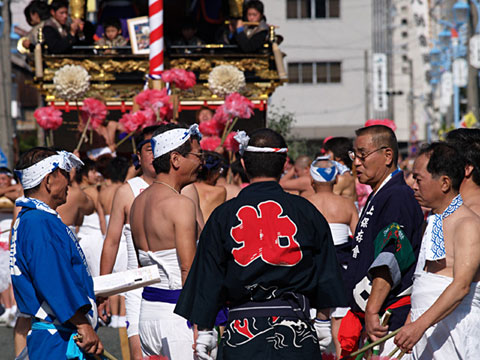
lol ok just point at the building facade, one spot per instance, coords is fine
(332, 47)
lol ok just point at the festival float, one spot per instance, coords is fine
(179, 81)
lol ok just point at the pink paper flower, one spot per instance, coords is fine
(157, 100)
(384, 122)
(139, 119)
(155, 357)
(182, 79)
(210, 143)
(95, 110)
(128, 122)
(239, 106)
(48, 117)
(230, 143)
(210, 127)
(221, 116)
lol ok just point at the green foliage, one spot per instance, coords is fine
(27, 140)
(282, 121)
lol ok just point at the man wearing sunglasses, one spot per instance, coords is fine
(386, 242)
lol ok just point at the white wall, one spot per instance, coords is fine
(331, 109)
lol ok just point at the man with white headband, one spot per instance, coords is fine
(269, 255)
(50, 276)
(342, 217)
(164, 230)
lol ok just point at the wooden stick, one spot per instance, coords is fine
(393, 352)
(369, 346)
(125, 138)
(79, 145)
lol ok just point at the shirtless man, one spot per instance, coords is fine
(211, 195)
(337, 148)
(115, 173)
(443, 322)
(168, 239)
(298, 178)
(467, 142)
(342, 217)
(239, 180)
(77, 206)
(119, 216)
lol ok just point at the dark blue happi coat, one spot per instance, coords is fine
(259, 246)
(392, 207)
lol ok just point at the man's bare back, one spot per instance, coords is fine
(335, 208)
(345, 186)
(462, 234)
(158, 210)
(78, 205)
(106, 195)
(211, 196)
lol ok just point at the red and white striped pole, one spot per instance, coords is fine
(155, 9)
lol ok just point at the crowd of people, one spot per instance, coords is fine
(282, 259)
(61, 32)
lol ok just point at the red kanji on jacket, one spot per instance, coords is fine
(265, 234)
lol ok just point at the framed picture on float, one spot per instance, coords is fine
(139, 33)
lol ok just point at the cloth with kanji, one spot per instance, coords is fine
(388, 234)
(260, 246)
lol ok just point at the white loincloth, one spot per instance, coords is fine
(168, 267)
(133, 298)
(340, 233)
(161, 331)
(456, 336)
(90, 238)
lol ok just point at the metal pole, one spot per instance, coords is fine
(6, 125)
(456, 106)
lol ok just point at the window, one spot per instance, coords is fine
(313, 9)
(314, 73)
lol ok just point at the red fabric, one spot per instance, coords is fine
(351, 327)
(349, 332)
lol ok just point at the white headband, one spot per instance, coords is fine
(327, 174)
(33, 175)
(172, 139)
(243, 139)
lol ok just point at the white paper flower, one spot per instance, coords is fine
(226, 79)
(71, 82)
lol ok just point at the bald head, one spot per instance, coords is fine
(303, 162)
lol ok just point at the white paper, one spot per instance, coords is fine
(116, 283)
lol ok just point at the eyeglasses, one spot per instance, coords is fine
(353, 155)
(198, 155)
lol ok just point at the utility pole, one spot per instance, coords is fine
(6, 125)
(366, 77)
(411, 105)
